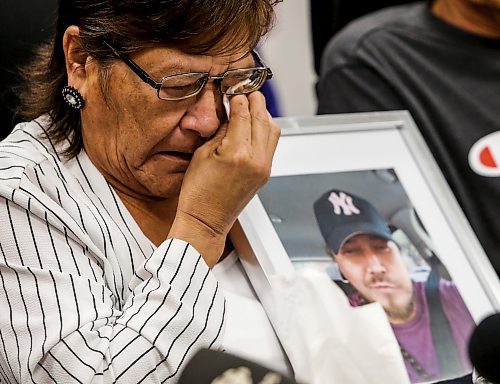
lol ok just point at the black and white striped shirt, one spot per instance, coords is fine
(84, 296)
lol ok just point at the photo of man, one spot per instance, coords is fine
(429, 318)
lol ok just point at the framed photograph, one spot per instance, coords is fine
(342, 183)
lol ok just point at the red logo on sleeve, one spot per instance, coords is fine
(484, 155)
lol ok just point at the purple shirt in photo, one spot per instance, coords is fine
(416, 337)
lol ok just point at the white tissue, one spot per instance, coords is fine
(227, 107)
(327, 340)
(225, 98)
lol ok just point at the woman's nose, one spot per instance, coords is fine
(205, 114)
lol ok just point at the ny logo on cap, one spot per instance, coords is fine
(342, 204)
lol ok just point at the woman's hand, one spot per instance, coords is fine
(224, 174)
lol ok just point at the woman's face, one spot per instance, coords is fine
(141, 144)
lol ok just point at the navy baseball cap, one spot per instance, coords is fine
(340, 215)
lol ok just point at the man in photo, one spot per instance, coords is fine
(429, 319)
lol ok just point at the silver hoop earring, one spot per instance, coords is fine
(72, 97)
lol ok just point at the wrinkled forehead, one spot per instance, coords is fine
(160, 60)
(232, 40)
(232, 56)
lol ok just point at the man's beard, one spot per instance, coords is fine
(395, 313)
(402, 313)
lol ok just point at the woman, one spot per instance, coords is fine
(118, 195)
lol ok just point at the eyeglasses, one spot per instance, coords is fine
(184, 85)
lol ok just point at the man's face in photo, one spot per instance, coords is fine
(374, 267)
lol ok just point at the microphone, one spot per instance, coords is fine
(484, 348)
(214, 367)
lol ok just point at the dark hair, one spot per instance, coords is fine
(193, 26)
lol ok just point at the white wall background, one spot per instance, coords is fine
(288, 51)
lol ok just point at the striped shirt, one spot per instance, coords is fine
(84, 296)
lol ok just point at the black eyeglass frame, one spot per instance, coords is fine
(144, 76)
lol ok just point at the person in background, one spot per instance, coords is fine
(441, 61)
(360, 242)
(119, 190)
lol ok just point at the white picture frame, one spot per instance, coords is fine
(333, 147)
